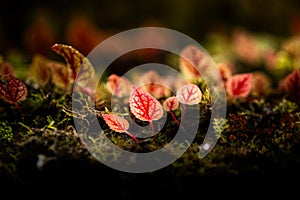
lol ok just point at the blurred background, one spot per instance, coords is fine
(34, 25)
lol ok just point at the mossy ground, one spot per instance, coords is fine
(258, 151)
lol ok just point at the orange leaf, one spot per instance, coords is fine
(80, 66)
(60, 75)
(39, 69)
(6, 68)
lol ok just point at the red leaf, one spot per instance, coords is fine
(118, 124)
(239, 85)
(76, 62)
(291, 83)
(192, 59)
(189, 94)
(152, 83)
(12, 89)
(119, 86)
(171, 103)
(144, 106)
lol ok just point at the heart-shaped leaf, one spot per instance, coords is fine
(189, 94)
(144, 106)
(171, 103)
(12, 89)
(291, 84)
(80, 66)
(118, 124)
(239, 85)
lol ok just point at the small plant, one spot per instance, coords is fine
(78, 67)
(12, 90)
(6, 133)
(189, 94)
(291, 84)
(239, 85)
(171, 104)
(145, 107)
(118, 124)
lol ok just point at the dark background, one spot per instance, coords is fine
(195, 18)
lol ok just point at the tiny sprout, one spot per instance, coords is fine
(170, 104)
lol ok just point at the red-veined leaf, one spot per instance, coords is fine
(171, 103)
(119, 86)
(291, 83)
(118, 124)
(189, 94)
(239, 85)
(12, 89)
(80, 66)
(144, 106)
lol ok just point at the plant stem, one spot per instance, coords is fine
(132, 136)
(152, 128)
(19, 108)
(174, 118)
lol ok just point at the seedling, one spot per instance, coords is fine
(118, 124)
(12, 90)
(171, 104)
(145, 107)
(189, 94)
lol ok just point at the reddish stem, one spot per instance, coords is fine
(152, 128)
(130, 135)
(182, 115)
(18, 108)
(174, 118)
